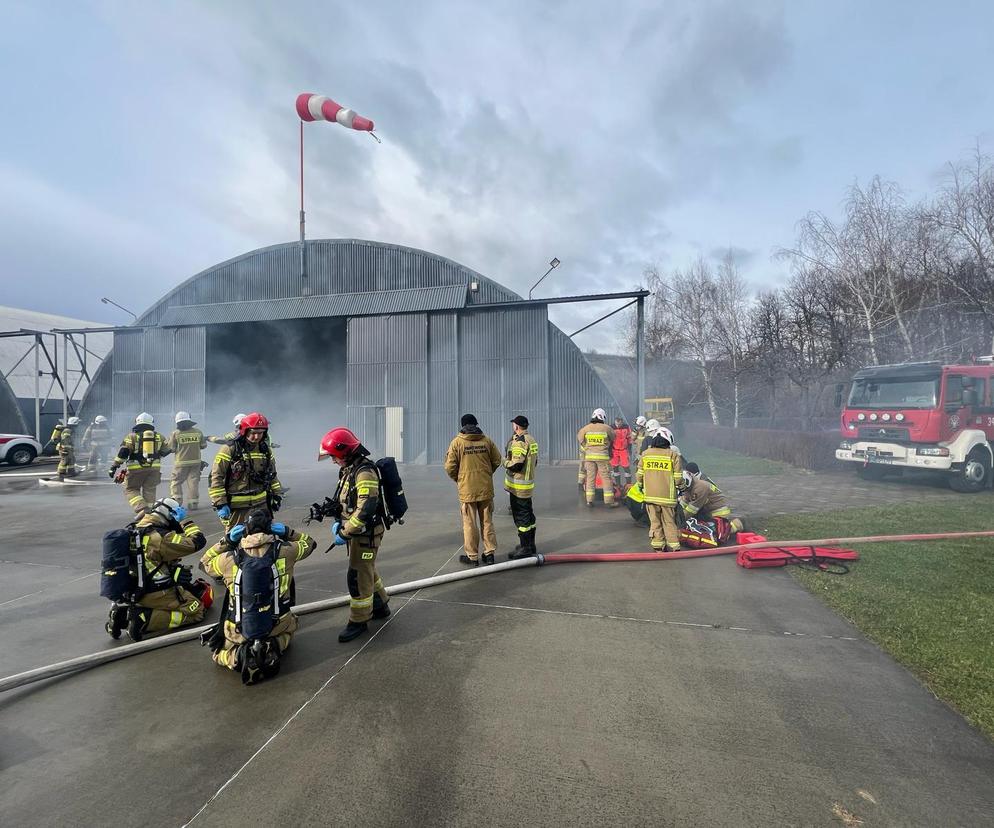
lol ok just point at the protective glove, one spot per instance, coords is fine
(279, 529)
(236, 533)
(111, 472)
(276, 501)
(335, 536)
(179, 513)
(184, 575)
(225, 512)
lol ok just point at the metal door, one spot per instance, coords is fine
(394, 425)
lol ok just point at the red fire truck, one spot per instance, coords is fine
(922, 415)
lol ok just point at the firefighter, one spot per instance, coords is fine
(142, 450)
(67, 449)
(360, 498)
(231, 435)
(595, 440)
(702, 499)
(171, 598)
(96, 440)
(471, 460)
(52, 446)
(659, 476)
(244, 474)
(638, 435)
(255, 655)
(186, 442)
(620, 458)
(520, 460)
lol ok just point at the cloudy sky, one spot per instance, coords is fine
(143, 142)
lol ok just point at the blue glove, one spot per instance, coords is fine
(336, 537)
(179, 513)
(279, 529)
(236, 533)
(224, 512)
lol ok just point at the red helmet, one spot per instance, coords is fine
(253, 420)
(339, 443)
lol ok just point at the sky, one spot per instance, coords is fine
(142, 143)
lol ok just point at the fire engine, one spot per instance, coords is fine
(922, 415)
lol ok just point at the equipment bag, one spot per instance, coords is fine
(819, 557)
(704, 534)
(120, 565)
(255, 594)
(394, 499)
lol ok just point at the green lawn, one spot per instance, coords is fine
(930, 605)
(717, 463)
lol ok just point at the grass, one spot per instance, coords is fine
(717, 463)
(929, 604)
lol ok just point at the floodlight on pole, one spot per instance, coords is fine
(553, 264)
(107, 301)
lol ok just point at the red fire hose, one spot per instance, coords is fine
(582, 557)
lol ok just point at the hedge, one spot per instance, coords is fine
(807, 450)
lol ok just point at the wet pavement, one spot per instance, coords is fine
(661, 693)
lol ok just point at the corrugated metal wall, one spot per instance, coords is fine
(11, 419)
(436, 366)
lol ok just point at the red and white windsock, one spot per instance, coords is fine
(312, 107)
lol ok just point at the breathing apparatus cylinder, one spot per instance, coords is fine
(148, 444)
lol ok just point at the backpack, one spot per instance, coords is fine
(392, 487)
(122, 565)
(704, 534)
(255, 593)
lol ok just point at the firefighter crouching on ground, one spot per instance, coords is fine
(172, 599)
(703, 500)
(67, 449)
(361, 527)
(520, 460)
(659, 475)
(620, 459)
(186, 443)
(471, 460)
(256, 625)
(595, 440)
(143, 451)
(244, 474)
(96, 441)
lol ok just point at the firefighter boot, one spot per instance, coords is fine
(466, 559)
(380, 609)
(486, 559)
(256, 657)
(352, 630)
(116, 621)
(138, 622)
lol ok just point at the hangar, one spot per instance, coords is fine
(397, 342)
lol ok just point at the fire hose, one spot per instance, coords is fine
(94, 659)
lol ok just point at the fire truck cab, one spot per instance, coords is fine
(922, 415)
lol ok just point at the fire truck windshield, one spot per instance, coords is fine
(881, 392)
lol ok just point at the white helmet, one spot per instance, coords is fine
(181, 416)
(237, 421)
(100, 419)
(73, 421)
(144, 419)
(640, 421)
(599, 414)
(652, 427)
(665, 432)
(167, 508)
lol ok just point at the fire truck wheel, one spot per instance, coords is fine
(974, 475)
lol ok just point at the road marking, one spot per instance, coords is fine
(319, 691)
(4, 475)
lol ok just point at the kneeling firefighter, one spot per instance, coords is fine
(255, 560)
(142, 575)
(363, 515)
(243, 477)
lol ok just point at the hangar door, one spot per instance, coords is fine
(161, 371)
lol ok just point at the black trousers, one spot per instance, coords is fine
(524, 518)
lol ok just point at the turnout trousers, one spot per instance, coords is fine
(365, 587)
(663, 531)
(281, 633)
(477, 520)
(171, 608)
(185, 485)
(592, 469)
(139, 487)
(523, 516)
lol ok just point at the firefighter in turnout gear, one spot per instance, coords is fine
(244, 474)
(360, 497)
(595, 440)
(96, 440)
(186, 443)
(620, 458)
(520, 460)
(702, 499)
(52, 446)
(255, 560)
(67, 449)
(659, 476)
(142, 450)
(171, 598)
(471, 460)
(231, 435)
(638, 435)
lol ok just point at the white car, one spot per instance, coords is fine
(18, 449)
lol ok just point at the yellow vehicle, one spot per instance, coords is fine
(660, 408)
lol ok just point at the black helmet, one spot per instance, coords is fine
(258, 520)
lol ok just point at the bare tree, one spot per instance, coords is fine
(731, 328)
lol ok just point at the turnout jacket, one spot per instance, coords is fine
(244, 476)
(471, 461)
(705, 497)
(360, 498)
(96, 436)
(163, 545)
(659, 471)
(595, 440)
(67, 440)
(186, 445)
(143, 448)
(520, 460)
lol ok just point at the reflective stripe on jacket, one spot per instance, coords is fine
(142, 450)
(595, 441)
(520, 460)
(658, 472)
(187, 446)
(704, 496)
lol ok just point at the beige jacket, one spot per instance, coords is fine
(471, 461)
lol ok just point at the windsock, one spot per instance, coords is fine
(311, 107)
